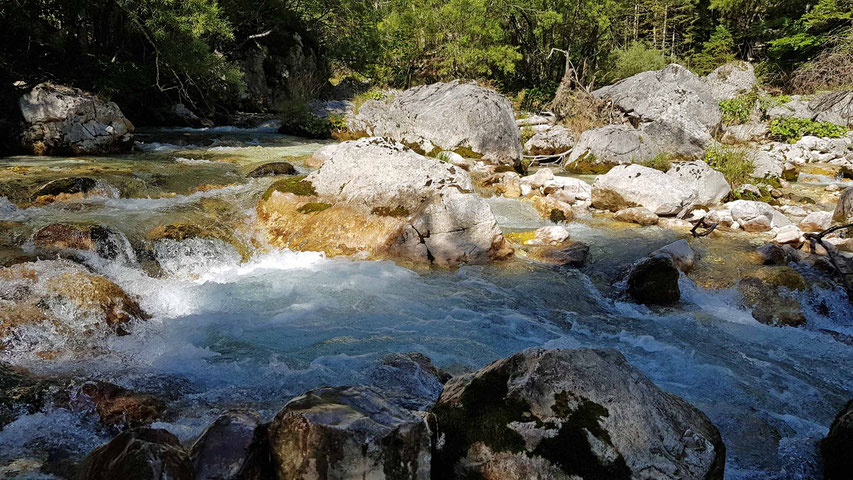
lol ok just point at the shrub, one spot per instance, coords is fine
(718, 50)
(636, 58)
(736, 111)
(734, 163)
(538, 98)
(526, 134)
(791, 129)
(372, 94)
(662, 162)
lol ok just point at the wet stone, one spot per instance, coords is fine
(273, 169)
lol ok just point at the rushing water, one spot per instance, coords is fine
(229, 332)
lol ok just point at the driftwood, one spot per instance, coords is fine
(546, 159)
(815, 239)
(703, 223)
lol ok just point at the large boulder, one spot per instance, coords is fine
(709, 185)
(673, 106)
(64, 298)
(64, 120)
(844, 209)
(348, 432)
(561, 414)
(462, 117)
(635, 185)
(554, 141)
(229, 448)
(376, 197)
(756, 216)
(654, 280)
(731, 80)
(600, 149)
(100, 240)
(835, 107)
(836, 448)
(138, 454)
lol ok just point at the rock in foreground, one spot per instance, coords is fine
(348, 432)
(654, 280)
(560, 414)
(139, 454)
(63, 120)
(446, 116)
(837, 447)
(377, 198)
(635, 185)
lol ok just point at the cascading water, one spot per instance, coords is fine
(227, 332)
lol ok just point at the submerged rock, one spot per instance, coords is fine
(636, 185)
(67, 186)
(559, 414)
(348, 432)
(104, 242)
(64, 297)
(461, 117)
(117, 406)
(769, 305)
(654, 280)
(837, 446)
(377, 198)
(138, 454)
(639, 215)
(63, 120)
(272, 169)
(232, 448)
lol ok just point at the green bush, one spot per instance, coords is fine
(736, 111)
(717, 51)
(791, 129)
(538, 98)
(734, 163)
(372, 94)
(636, 58)
(662, 162)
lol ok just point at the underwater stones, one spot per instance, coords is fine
(64, 297)
(844, 208)
(769, 305)
(138, 454)
(272, 169)
(709, 185)
(61, 119)
(117, 406)
(231, 448)
(837, 446)
(574, 255)
(106, 243)
(387, 201)
(452, 116)
(654, 280)
(635, 185)
(21, 392)
(348, 432)
(559, 414)
(639, 215)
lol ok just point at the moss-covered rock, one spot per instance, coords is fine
(770, 304)
(296, 185)
(558, 414)
(272, 169)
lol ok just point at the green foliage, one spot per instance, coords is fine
(791, 129)
(661, 161)
(526, 134)
(538, 98)
(295, 185)
(372, 94)
(734, 163)
(636, 58)
(313, 207)
(717, 51)
(736, 111)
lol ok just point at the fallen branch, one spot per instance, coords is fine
(709, 228)
(817, 239)
(543, 159)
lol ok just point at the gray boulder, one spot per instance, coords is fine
(138, 454)
(635, 185)
(797, 107)
(553, 141)
(381, 198)
(709, 185)
(446, 116)
(731, 80)
(756, 216)
(64, 120)
(682, 255)
(844, 209)
(654, 280)
(348, 432)
(567, 414)
(835, 107)
(224, 451)
(600, 149)
(673, 106)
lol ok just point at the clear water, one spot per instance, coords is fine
(226, 332)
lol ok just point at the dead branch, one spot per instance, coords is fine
(815, 239)
(703, 223)
(546, 159)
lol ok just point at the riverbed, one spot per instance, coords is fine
(239, 324)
